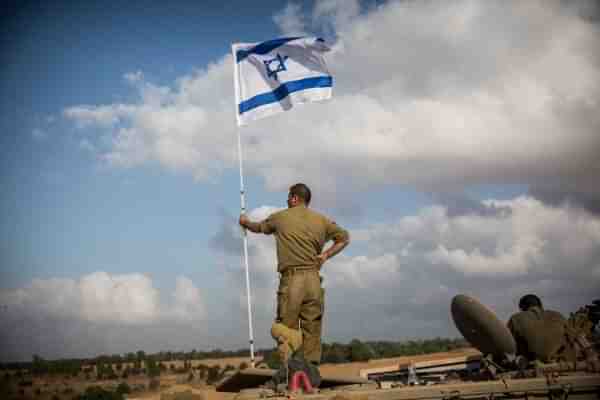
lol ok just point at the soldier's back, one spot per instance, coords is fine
(540, 334)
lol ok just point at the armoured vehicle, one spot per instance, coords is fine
(495, 372)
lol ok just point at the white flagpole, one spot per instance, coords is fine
(245, 239)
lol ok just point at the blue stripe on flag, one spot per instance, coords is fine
(283, 91)
(263, 48)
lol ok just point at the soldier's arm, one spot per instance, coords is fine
(340, 238)
(337, 246)
(265, 226)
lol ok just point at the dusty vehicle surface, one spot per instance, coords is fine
(491, 372)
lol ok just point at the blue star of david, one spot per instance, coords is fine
(279, 63)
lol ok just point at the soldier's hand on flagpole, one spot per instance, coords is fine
(244, 220)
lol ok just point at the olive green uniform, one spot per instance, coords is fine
(300, 235)
(541, 335)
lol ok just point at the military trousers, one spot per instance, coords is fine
(300, 305)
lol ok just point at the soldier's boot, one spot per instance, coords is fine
(289, 340)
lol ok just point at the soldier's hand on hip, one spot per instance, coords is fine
(321, 258)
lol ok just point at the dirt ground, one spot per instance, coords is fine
(46, 388)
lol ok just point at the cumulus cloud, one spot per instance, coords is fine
(426, 94)
(39, 134)
(290, 20)
(188, 300)
(54, 316)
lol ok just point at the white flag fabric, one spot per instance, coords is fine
(274, 76)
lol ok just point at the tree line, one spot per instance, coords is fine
(153, 364)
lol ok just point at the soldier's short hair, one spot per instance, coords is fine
(528, 301)
(302, 191)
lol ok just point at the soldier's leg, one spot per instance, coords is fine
(288, 313)
(311, 318)
(289, 300)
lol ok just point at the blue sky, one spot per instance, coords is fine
(460, 161)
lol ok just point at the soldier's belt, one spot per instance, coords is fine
(297, 270)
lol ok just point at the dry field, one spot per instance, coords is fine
(48, 388)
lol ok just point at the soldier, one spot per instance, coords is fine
(300, 235)
(546, 335)
(540, 334)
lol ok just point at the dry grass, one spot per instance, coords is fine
(170, 382)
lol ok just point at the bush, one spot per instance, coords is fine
(213, 375)
(123, 388)
(98, 393)
(243, 365)
(154, 384)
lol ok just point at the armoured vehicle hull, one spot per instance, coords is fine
(475, 376)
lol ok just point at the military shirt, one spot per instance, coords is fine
(540, 334)
(300, 235)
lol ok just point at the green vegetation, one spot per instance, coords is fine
(364, 351)
(98, 393)
(153, 364)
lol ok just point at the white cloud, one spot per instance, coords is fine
(104, 116)
(101, 297)
(122, 298)
(98, 313)
(290, 20)
(188, 300)
(134, 77)
(39, 134)
(425, 94)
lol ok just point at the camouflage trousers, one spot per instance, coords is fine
(300, 305)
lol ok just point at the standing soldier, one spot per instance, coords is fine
(300, 235)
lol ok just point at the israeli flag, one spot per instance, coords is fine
(274, 76)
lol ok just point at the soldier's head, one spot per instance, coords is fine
(299, 195)
(528, 301)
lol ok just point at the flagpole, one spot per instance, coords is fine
(245, 240)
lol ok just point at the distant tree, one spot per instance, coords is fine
(39, 365)
(123, 388)
(99, 393)
(360, 351)
(152, 368)
(130, 357)
(335, 353)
